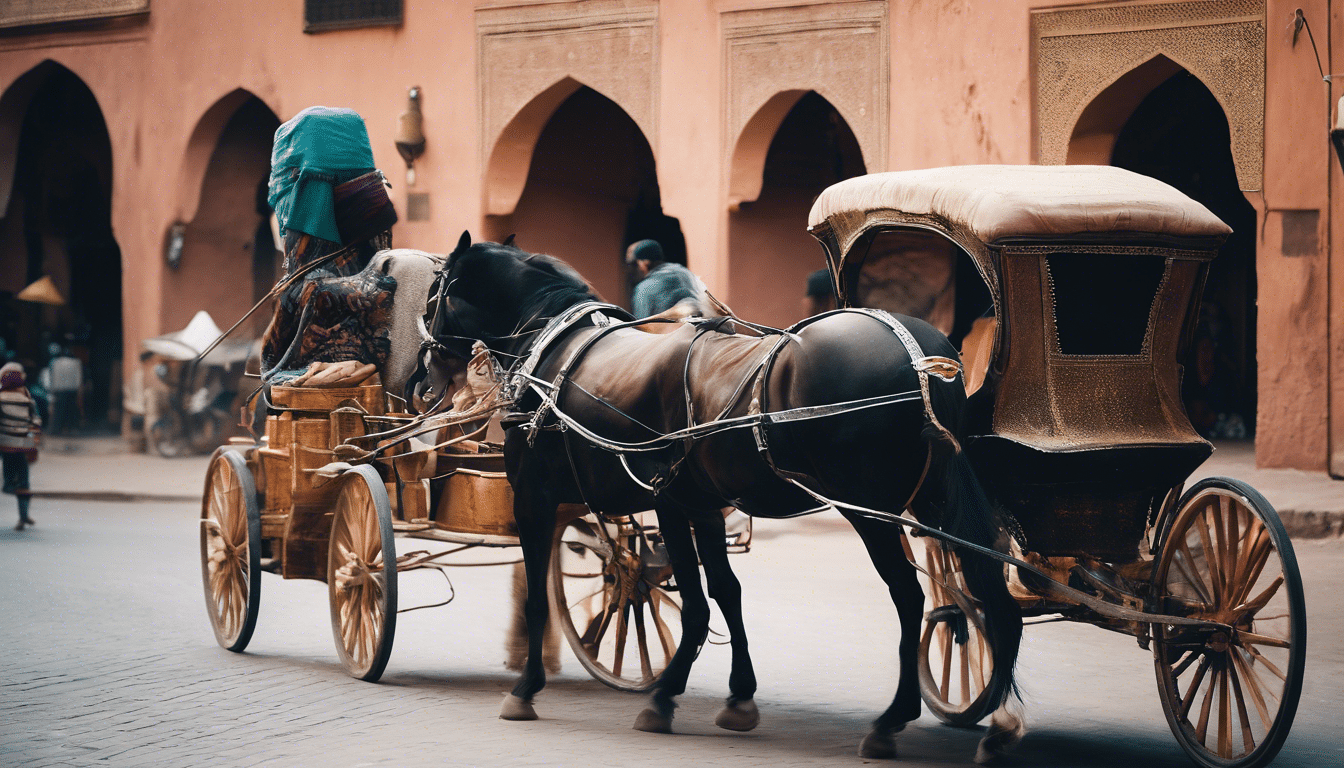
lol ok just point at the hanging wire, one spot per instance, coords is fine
(1299, 23)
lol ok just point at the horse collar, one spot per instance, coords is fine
(601, 314)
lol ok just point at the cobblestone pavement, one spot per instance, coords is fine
(108, 660)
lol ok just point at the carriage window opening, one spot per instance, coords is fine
(1102, 302)
(975, 304)
(915, 273)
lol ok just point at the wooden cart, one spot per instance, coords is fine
(267, 508)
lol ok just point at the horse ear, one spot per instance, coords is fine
(463, 242)
(509, 240)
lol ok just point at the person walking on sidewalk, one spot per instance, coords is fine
(65, 374)
(19, 430)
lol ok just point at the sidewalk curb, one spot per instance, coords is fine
(122, 496)
(1307, 524)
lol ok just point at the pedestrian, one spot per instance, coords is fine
(65, 377)
(664, 284)
(20, 428)
(819, 298)
(133, 399)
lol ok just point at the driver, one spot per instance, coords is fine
(329, 201)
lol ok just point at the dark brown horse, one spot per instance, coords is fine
(614, 417)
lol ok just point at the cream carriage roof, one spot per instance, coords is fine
(998, 201)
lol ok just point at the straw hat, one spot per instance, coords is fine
(42, 292)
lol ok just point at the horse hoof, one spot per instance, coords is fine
(878, 745)
(1005, 731)
(739, 716)
(651, 721)
(517, 709)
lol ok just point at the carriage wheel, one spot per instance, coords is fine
(231, 550)
(956, 666)
(362, 574)
(1229, 697)
(611, 593)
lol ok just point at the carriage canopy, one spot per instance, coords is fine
(979, 206)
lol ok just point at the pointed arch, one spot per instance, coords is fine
(747, 167)
(1100, 122)
(591, 188)
(196, 158)
(57, 162)
(13, 109)
(506, 171)
(228, 234)
(794, 146)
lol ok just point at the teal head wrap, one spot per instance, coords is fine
(314, 151)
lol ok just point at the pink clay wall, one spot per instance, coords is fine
(960, 85)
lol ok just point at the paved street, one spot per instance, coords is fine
(109, 660)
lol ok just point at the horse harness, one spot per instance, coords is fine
(608, 318)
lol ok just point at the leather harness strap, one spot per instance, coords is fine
(944, 368)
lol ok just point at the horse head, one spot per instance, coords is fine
(494, 293)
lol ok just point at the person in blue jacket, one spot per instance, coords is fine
(664, 284)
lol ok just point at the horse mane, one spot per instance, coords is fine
(549, 285)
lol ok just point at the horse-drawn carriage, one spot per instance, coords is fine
(1083, 294)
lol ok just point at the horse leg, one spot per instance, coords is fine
(676, 528)
(534, 513)
(883, 541)
(740, 713)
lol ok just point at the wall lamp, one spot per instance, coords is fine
(411, 134)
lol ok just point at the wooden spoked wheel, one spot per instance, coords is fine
(362, 574)
(956, 664)
(611, 591)
(1229, 695)
(231, 550)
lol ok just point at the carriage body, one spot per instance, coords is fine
(1073, 293)
(472, 500)
(1093, 277)
(279, 505)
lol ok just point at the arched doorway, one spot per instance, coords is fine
(591, 190)
(228, 259)
(1179, 134)
(770, 251)
(58, 223)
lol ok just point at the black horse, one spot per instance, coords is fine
(618, 385)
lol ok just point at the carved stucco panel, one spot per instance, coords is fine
(16, 13)
(1079, 52)
(838, 50)
(608, 45)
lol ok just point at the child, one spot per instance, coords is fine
(19, 429)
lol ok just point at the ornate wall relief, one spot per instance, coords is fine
(21, 13)
(1080, 52)
(532, 57)
(772, 56)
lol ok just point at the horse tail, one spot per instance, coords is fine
(969, 515)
